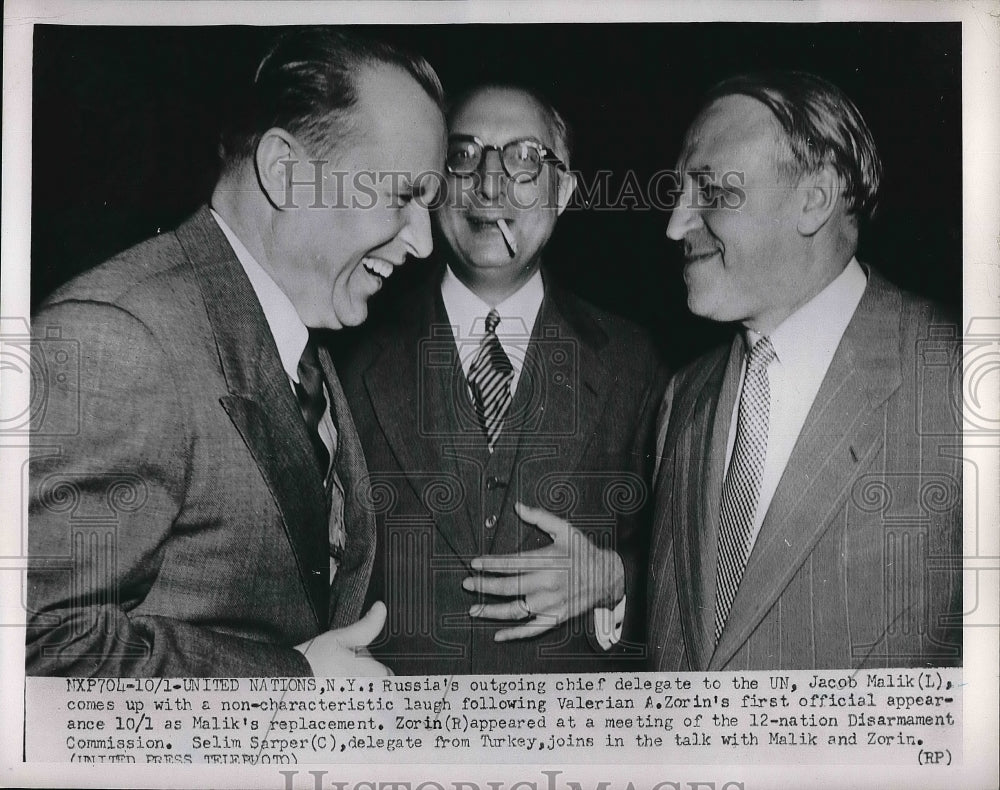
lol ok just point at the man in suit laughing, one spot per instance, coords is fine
(494, 400)
(209, 516)
(806, 516)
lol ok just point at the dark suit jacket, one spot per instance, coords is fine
(858, 560)
(177, 522)
(577, 441)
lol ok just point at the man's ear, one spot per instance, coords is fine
(567, 186)
(820, 192)
(277, 156)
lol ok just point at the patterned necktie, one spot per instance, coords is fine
(312, 401)
(490, 375)
(741, 489)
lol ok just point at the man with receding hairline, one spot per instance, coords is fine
(806, 517)
(493, 401)
(217, 520)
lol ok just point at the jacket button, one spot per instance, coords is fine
(491, 522)
(493, 483)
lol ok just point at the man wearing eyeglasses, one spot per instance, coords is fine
(494, 401)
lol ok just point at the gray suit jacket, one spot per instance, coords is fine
(858, 560)
(577, 441)
(177, 520)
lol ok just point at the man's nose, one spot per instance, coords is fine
(685, 217)
(491, 175)
(416, 234)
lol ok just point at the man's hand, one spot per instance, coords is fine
(549, 585)
(343, 652)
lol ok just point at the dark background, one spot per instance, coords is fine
(126, 123)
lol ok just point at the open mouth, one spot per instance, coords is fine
(694, 257)
(377, 268)
(480, 224)
(484, 223)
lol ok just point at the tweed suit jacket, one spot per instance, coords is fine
(858, 560)
(577, 441)
(177, 520)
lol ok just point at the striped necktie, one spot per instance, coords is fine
(741, 489)
(310, 391)
(490, 376)
(312, 401)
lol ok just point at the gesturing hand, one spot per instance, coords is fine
(548, 585)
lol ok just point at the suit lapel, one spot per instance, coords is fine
(351, 582)
(843, 428)
(701, 466)
(260, 401)
(416, 388)
(563, 390)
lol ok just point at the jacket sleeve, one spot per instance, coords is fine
(107, 477)
(634, 530)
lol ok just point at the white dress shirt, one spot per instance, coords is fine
(290, 334)
(804, 346)
(518, 312)
(467, 316)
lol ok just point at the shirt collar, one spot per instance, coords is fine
(290, 334)
(468, 311)
(813, 332)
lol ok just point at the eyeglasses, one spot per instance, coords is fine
(522, 160)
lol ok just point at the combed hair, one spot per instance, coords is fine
(307, 85)
(822, 126)
(562, 133)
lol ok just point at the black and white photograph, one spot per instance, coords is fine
(529, 375)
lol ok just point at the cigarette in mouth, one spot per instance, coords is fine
(507, 237)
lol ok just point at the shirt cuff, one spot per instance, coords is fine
(608, 625)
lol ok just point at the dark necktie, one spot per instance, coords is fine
(741, 489)
(490, 375)
(312, 401)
